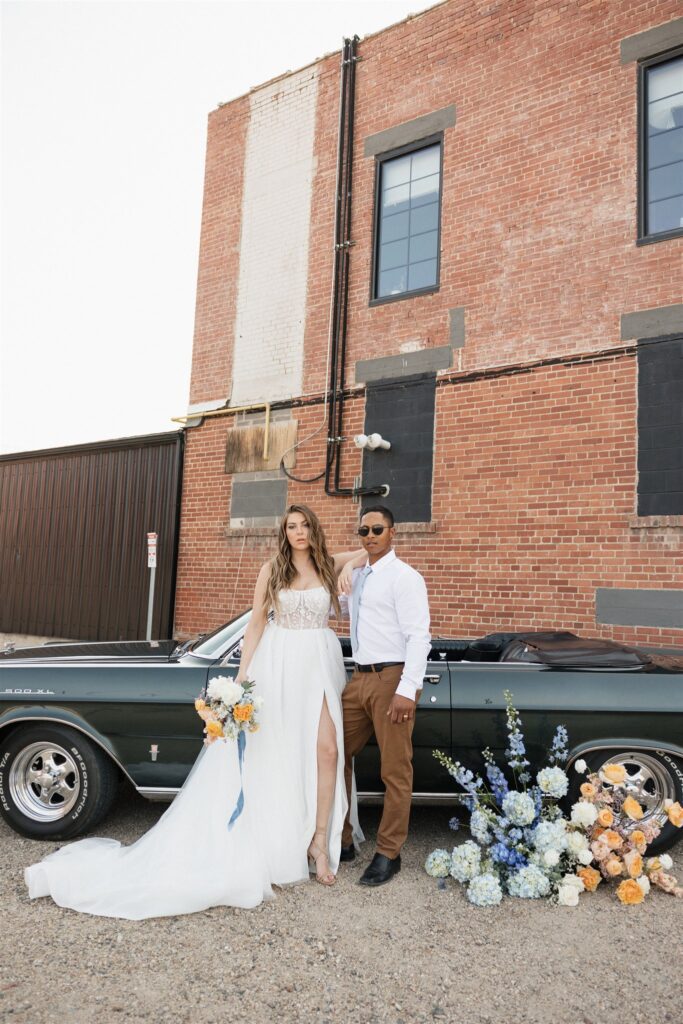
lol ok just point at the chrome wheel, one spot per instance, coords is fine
(44, 782)
(647, 781)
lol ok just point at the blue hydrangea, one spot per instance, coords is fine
(465, 861)
(529, 883)
(484, 891)
(503, 853)
(454, 824)
(438, 864)
(553, 782)
(479, 827)
(519, 808)
(550, 835)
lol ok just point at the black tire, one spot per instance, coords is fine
(55, 783)
(655, 775)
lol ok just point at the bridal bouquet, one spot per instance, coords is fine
(522, 843)
(231, 709)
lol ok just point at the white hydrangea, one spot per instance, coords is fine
(438, 864)
(484, 891)
(225, 689)
(553, 782)
(550, 835)
(584, 814)
(551, 858)
(529, 883)
(519, 808)
(479, 827)
(465, 861)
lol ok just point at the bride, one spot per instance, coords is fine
(294, 793)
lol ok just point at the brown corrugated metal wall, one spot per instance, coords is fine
(73, 538)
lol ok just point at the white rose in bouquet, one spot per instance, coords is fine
(568, 896)
(580, 766)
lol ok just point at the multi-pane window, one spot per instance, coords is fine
(662, 147)
(407, 222)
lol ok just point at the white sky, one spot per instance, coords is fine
(104, 108)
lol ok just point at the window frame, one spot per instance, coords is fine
(643, 68)
(380, 160)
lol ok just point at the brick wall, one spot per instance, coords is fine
(535, 479)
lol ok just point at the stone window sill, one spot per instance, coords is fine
(655, 522)
(405, 528)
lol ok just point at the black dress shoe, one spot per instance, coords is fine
(347, 853)
(380, 870)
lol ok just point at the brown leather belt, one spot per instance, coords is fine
(378, 666)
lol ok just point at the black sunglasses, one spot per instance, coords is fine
(363, 531)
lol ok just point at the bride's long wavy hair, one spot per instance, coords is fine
(282, 569)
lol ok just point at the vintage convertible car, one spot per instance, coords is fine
(76, 719)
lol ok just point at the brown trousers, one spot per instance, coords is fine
(365, 702)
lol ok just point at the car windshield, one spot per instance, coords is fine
(214, 644)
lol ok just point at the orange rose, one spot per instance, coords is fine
(633, 809)
(613, 867)
(675, 814)
(214, 730)
(243, 712)
(612, 838)
(605, 817)
(588, 790)
(590, 877)
(639, 841)
(199, 704)
(634, 863)
(614, 773)
(630, 893)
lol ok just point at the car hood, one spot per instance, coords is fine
(61, 652)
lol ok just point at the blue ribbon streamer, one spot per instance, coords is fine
(239, 806)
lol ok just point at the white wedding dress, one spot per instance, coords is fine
(189, 860)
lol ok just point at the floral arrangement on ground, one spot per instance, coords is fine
(523, 845)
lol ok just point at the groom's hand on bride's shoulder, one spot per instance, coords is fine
(401, 709)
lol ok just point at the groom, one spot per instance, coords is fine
(390, 642)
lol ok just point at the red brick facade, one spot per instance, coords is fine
(535, 475)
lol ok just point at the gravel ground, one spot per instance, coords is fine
(408, 952)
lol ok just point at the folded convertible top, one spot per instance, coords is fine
(566, 650)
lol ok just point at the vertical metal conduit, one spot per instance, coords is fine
(342, 246)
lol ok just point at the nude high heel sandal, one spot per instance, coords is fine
(315, 853)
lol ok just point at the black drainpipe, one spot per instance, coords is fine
(342, 245)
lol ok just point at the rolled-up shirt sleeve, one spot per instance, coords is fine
(412, 610)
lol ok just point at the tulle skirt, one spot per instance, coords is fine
(190, 860)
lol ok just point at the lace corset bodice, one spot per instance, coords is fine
(303, 609)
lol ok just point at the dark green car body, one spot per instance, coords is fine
(134, 702)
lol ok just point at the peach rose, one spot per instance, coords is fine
(653, 864)
(666, 882)
(614, 867)
(588, 790)
(214, 730)
(634, 863)
(199, 704)
(630, 893)
(639, 841)
(675, 814)
(605, 817)
(600, 850)
(243, 712)
(590, 877)
(633, 809)
(611, 838)
(614, 773)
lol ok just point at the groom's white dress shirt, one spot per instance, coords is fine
(393, 620)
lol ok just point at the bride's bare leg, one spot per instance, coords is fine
(327, 779)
